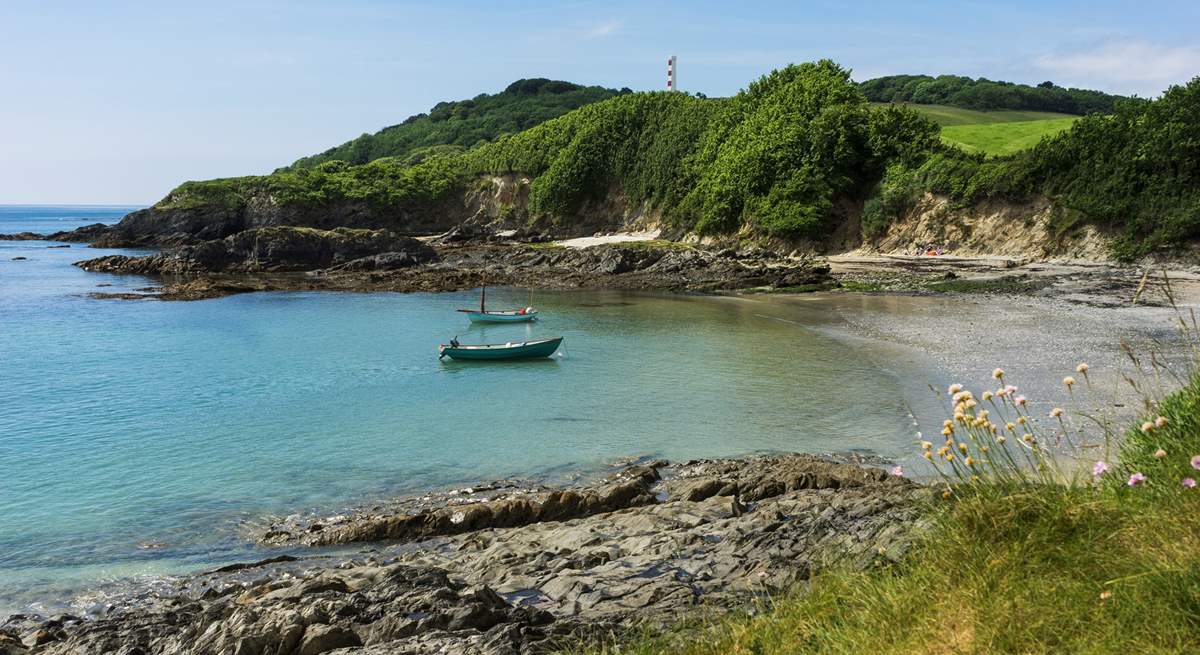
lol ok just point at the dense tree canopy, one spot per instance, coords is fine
(465, 123)
(786, 156)
(986, 94)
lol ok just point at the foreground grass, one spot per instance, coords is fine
(1086, 568)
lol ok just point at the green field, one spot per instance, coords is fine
(1003, 138)
(1000, 132)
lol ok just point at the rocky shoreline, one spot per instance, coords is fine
(291, 259)
(510, 569)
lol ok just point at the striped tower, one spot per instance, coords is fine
(672, 83)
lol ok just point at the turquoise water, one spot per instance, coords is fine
(124, 423)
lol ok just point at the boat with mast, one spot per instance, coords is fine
(484, 315)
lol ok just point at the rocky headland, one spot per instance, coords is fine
(292, 258)
(511, 569)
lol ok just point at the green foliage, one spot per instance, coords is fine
(783, 157)
(1137, 171)
(985, 94)
(637, 141)
(776, 157)
(465, 123)
(379, 185)
(896, 193)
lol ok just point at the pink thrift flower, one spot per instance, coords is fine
(1100, 468)
(1160, 453)
(1196, 462)
(897, 471)
(1189, 483)
(1020, 400)
(1136, 479)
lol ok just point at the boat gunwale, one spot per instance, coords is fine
(497, 346)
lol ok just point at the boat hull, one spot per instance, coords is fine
(523, 350)
(501, 317)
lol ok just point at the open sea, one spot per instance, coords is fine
(138, 438)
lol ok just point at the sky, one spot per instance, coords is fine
(117, 102)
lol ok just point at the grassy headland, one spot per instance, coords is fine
(793, 156)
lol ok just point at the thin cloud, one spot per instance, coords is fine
(1131, 65)
(602, 30)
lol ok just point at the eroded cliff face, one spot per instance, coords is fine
(501, 202)
(497, 202)
(1033, 230)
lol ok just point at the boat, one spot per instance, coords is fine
(484, 315)
(496, 351)
(522, 315)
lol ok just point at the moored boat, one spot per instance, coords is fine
(496, 351)
(522, 315)
(484, 315)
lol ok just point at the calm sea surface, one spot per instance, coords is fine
(126, 424)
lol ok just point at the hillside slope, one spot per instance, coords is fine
(947, 116)
(994, 132)
(799, 157)
(451, 127)
(1003, 138)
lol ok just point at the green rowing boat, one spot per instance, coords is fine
(497, 351)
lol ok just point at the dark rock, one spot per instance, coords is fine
(322, 638)
(527, 580)
(272, 249)
(558, 505)
(241, 566)
(465, 233)
(386, 261)
(19, 259)
(10, 644)
(23, 236)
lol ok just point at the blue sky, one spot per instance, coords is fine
(117, 102)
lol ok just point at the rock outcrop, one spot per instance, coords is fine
(174, 222)
(276, 249)
(358, 260)
(714, 532)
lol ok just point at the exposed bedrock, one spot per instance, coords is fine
(530, 586)
(274, 249)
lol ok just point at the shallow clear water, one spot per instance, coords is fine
(123, 423)
(129, 423)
